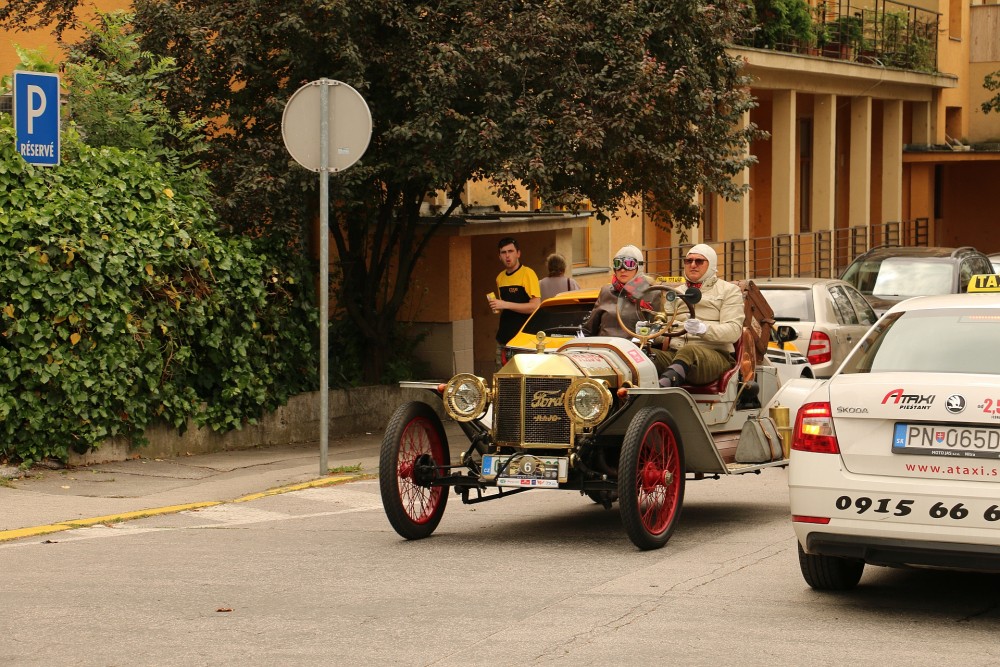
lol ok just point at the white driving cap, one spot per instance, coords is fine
(630, 251)
(709, 254)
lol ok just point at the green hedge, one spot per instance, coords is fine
(121, 303)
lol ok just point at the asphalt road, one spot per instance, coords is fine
(318, 577)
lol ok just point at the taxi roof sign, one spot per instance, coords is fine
(984, 282)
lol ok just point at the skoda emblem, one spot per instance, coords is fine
(955, 404)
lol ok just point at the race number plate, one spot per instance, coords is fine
(946, 440)
(544, 472)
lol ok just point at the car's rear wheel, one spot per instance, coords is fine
(650, 478)
(830, 573)
(413, 447)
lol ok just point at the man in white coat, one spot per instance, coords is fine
(706, 349)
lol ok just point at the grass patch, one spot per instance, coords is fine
(340, 470)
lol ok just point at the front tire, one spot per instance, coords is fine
(650, 478)
(830, 573)
(414, 440)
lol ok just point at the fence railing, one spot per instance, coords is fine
(822, 254)
(875, 32)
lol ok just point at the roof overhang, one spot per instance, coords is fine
(776, 70)
(948, 156)
(514, 222)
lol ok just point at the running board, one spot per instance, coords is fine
(742, 468)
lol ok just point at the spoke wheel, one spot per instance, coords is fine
(414, 442)
(830, 573)
(650, 478)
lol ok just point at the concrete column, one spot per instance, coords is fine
(441, 299)
(859, 210)
(784, 165)
(734, 218)
(734, 221)
(824, 162)
(920, 123)
(892, 160)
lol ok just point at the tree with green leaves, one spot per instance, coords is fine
(992, 83)
(582, 100)
(120, 300)
(117, 95)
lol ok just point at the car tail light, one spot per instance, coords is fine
(814, 430)
(801, 518)
(820, 348)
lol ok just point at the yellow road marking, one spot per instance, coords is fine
(35, 531)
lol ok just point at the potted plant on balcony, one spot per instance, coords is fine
(845, 36)
(918, 54)
(783, 25)
(822, 32)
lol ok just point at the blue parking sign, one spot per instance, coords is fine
(36, 117)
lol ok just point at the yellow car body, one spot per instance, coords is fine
(559, 317)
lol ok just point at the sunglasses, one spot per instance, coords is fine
(627, 263)
(695, 261)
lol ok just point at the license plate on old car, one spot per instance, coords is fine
(946, 440)
(526, 470)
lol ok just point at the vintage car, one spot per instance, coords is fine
(590, 418)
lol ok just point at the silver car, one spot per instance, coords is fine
(828, 315)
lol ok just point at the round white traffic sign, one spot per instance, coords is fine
(349, 130)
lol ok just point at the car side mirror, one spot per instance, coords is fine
(784, 334)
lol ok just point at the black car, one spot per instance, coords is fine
(886, 275)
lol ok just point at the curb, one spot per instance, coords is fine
(35, 531)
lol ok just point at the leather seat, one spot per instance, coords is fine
(745, 363)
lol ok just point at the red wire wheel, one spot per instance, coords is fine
(650, 478)
(413, 448)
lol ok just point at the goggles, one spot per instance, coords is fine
(697, 261)
(627, 263)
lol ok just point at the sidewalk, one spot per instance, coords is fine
(49, 501)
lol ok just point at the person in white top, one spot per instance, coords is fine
(556, 282)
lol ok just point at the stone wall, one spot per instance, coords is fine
(352, 411)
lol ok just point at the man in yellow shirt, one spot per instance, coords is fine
(518, 294)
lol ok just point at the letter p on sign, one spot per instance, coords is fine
(36, 106)
(36, 117)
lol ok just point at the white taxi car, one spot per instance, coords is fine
(895, 460)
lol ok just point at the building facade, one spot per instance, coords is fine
(876, 136)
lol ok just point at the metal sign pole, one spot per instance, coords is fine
(352, 131)
(324, 275)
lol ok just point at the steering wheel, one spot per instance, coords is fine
(659, 325)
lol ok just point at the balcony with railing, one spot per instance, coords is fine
(822, 254)
(882, 33)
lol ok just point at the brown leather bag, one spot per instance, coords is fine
(759, 317)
